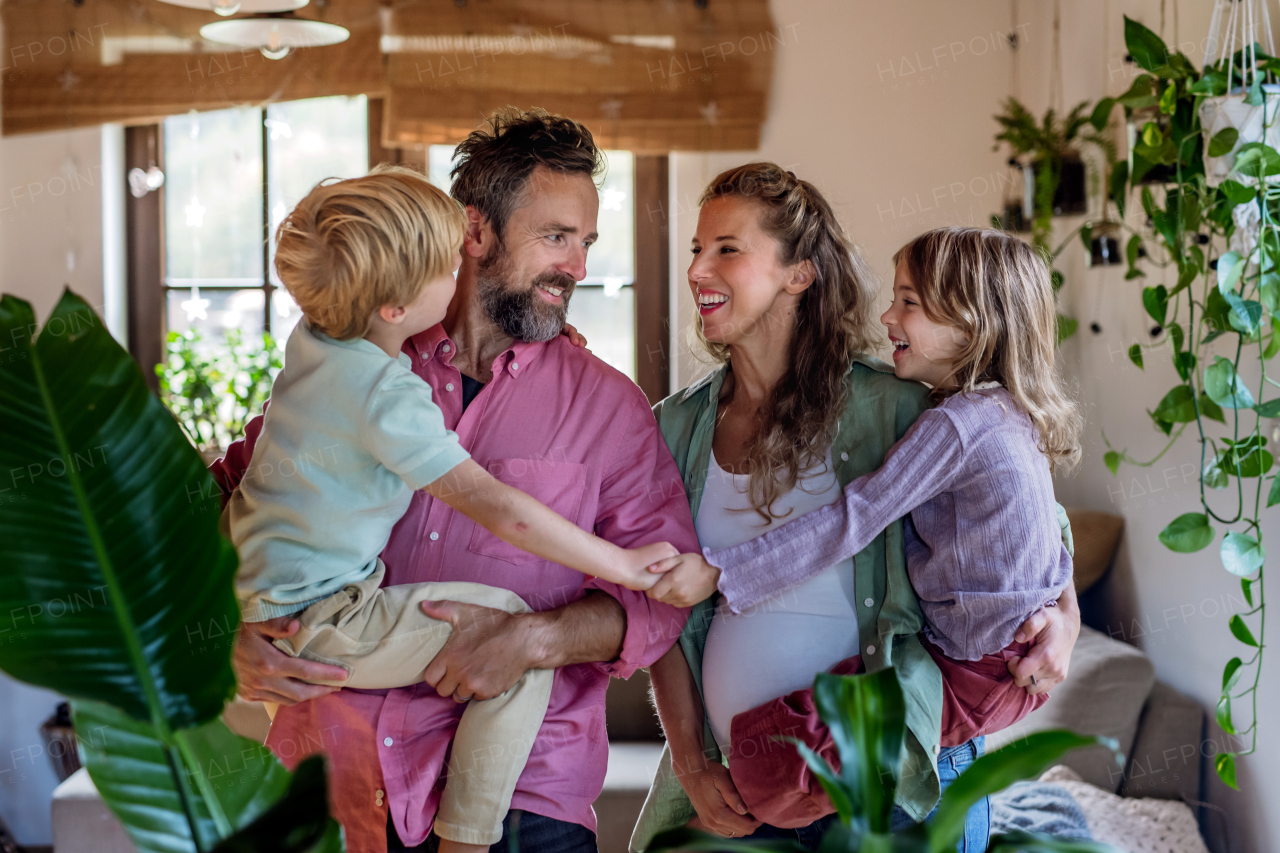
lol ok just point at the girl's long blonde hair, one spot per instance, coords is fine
(795, 426)
(996, 290)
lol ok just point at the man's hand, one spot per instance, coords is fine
(688, 579)
(1052, 632)
(720, 807)
(267, 674)
(485, 656)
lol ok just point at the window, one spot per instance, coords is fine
(231, 177)
(603, 306)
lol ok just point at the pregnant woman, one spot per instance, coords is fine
(796, 410)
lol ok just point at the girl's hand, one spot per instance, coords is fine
(720, 807)
(686, 580)
(635, 573)
(575, 337)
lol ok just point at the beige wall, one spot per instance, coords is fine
(871, 104)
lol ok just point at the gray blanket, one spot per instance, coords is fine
(1038, 807)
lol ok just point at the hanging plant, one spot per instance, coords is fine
(1049, 151)
(1219, 308)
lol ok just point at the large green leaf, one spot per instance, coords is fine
(113, 555)
(131, 768)
(867, 716)
(695, 840)
(1024, 758)
(1146, 48)
(298, 822)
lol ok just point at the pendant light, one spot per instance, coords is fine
(226, 8)
(275, 34)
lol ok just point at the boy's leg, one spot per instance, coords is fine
(492, 743)
(382, 637)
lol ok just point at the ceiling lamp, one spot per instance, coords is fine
(230, 7)
(275, 35)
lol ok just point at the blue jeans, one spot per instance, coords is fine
(951, 763)
(522, 832)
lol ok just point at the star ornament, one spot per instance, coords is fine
(195, 213)
(611, 199)
(195, 308)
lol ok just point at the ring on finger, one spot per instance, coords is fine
(1033, 680)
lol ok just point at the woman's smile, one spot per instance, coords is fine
(710, 300)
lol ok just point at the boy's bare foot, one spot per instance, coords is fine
(447, 846)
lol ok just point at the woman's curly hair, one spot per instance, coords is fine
(797, 423)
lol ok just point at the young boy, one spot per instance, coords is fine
(350, 434)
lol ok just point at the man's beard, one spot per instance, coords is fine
(522, 314)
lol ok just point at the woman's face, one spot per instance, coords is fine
(738, 283)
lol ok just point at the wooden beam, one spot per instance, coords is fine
(652, 293)
(144, 241)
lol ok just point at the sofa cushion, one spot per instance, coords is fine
(1104, 693)
(1096, 536)
(1170, 748)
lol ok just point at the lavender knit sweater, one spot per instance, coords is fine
(984, 549)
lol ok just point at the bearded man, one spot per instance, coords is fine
(552, 420)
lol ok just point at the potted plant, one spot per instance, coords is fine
(113, 555)
(1211, 293)
(867, 718)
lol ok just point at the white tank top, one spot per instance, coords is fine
(779, 645)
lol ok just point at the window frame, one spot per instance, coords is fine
(148, 287)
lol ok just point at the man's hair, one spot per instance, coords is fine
(495, 161)
(353, 246)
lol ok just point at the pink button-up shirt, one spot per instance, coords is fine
(561, 425)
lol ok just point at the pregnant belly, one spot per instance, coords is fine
(776, 647)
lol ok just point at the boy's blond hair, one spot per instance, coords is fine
(997, 291)
(353, 246)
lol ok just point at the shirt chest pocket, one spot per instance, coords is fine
(558, 485)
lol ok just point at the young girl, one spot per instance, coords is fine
(973, 316)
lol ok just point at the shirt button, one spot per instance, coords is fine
(445, 348)
(379, 794)
(386, 741)
(868, 602)
(434, 537)
(515, 365)
(871, 650)
(448, 386)
(844, 457)
(936, 749)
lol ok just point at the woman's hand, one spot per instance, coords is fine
(575, 337)
(688, 579)
(1052, 632)
(720, 807)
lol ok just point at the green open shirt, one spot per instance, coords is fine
(879, 409)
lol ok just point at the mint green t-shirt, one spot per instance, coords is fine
(349, 435)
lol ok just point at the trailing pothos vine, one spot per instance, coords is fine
(1217, 311)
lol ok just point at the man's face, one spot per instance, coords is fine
(526, 279)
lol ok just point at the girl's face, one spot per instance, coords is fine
(736, 278)
(922, 349)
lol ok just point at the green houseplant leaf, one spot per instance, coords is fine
(867, 718)
(1187, 533)
(1242, 555)
(115, 559)
(1146, 48)
(130, 767)
(1021, 759)
(123, 515)
(1225, 387)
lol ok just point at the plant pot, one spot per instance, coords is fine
(1071, 196)
(1011, 218)
(1252, 123)
(1105, 251)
